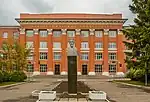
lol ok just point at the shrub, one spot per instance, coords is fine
(1, 77)
(6, 76)
(130, 74)
(18, 76)
(139, 75)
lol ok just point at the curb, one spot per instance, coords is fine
(11, 85)
(137, 86)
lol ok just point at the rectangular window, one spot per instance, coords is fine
(43, 55)
(43, 44)
(112, 33)
(98, 33)
(84, 33)
(98, 45)
(15, 35)
(71, 33)
(98, 68)
(43, 67)
(5, 34)
(43, 33)
(57, 56)
(112, 45)
(98, 56)
(84, 56)
(30, 68)
(56, 33)
(29, 44)
(112, 56)
(29, 33)
(84, 45)
(112, 68)
(56, 45)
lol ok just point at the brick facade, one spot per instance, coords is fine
(104, 24)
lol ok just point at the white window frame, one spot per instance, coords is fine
(112, 68)
(57, 56)
(16, 35)
(43, 33)
(30, 67)
(71, 33)
(85, 56)
(43, 67)
(84, 34)
(30, 44)
(98, 56)
(27, 35)
(112, 46)
(84, 46)
(43, 45)
(99, 34)
(56, 46)
(112, 56)
(43, 56)
(5, 34)
(57, 33)
(98, 68)
(112, 33)
(98, 46)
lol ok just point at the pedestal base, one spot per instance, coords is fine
(36, 73)
(91, 73)
(64, 73)
(50, 73)
(105, 73)
(78, 73)
(120, 74)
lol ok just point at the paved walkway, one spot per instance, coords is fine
(116, 92)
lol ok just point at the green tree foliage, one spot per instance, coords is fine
(138, 36)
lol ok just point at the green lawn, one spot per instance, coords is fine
(7, 83)
(132, 82)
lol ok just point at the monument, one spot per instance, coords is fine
(72, 68)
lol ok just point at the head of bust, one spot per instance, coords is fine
(71, 42)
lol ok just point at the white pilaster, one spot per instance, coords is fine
(106, 31)
(63, 31)
(91, 73)
(63, 73)
(92, 31)
(120, 32)
(50, 31)
(77, 31)
(36, 31)
(22, 31)
(36, 73)
(105, 73)
(50, 73)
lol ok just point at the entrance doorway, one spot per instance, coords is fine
(84, 70)
(57, 69)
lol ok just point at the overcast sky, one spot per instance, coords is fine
(10, 9)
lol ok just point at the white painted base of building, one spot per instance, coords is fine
(78, 73)
(63, 73)
(36, 73)
(50, 73)
(120, 74)
(105, 73)
(91, 73)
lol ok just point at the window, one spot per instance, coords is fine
(84, 45)
(98, 45)
(98, 56)
(56, 33)
(43, 33)
(84, 56)
(43, 67)
(56, 45)
(98, 33)
(71, 33)
(29, 33)
(112, 45)
(43, 55)
(43, 44)
(29, 44)
(57, 56)
(112, 33)
(5, 35)
(84, 33)
(112, 56)
(98, 68)
(30, 57)
(30, 68)
(112, 68)
(16, 35)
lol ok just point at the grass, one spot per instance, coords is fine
(133, 82)
(7, 83)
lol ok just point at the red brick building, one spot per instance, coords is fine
(98, 39)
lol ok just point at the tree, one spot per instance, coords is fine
(14, 56)
(138, 35)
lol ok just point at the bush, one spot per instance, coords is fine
(139, 75)
(130, 74)
(1, 77)
(6, 76)
(18, 76)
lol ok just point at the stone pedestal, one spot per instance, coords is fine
(36, 73)
(63, 73)
(91, 73)
(50, 73)
(105, 73)
(79, 73)
(120, 74)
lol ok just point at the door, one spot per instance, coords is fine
(84, 69)
(57, 69)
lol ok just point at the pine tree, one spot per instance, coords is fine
(138, 35)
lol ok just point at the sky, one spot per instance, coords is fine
(10, 9)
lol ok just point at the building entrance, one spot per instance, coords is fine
(57, 69)
(84, 69)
